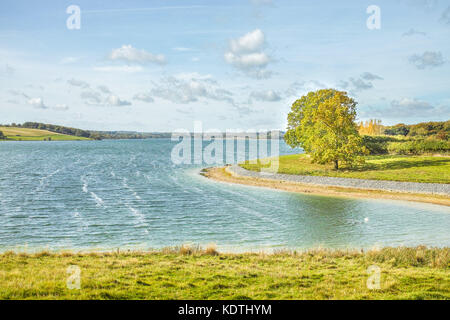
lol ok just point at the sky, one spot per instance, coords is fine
(161, 65)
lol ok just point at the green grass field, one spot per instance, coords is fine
(405, 273)
(25, 134)
(392, 167)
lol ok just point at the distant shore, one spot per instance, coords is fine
(228, 175)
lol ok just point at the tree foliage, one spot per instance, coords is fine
(323, 124)
(439, 130)
(372, 127)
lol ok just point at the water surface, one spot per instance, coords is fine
(128, 193)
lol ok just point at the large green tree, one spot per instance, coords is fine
(323, 124)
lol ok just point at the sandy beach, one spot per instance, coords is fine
(224, 174)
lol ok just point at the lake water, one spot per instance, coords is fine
(129, 194)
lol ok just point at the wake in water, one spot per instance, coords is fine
(97, 199)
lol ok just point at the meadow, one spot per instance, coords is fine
(27, 134)
(190, 273)
(429, 169)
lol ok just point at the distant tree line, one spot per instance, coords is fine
(58, 129)
(439, 130)
(97, 135)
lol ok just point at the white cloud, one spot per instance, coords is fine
(91, 97)
(407, 108)
(267, 95)
(407, 105)
(129, 54)
(116, 101)
(429, 59)
(37, 103)
(246, 54)
(250, 42)
(185, 89)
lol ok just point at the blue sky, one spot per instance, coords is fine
(161, 65)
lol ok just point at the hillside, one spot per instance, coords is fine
(26, 134)
(80, 134)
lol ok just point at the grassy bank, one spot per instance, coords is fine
(428, 169)
(26, 134)
(406, 273)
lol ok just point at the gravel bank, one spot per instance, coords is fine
(393, 186)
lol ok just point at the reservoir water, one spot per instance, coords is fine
(102, 195)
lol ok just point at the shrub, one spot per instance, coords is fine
(419, 147)
(378, 144)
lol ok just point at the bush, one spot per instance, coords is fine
(419, 147)
(378, 144)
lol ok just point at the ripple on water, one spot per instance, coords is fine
(109, 194)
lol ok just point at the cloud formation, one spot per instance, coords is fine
(429, 59)
(129, 54)
(297, 89)
(78, 83)
(37, 103)
(370, 76)
(363, 82)
(95, 98)
(104, 89)
(407, 105)
(247, 55)
(266, 95)
(182, 89)
(91, 97)
(115, 101)
(406, 108)
(19, 94)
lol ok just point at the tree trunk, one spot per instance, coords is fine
(336, 164)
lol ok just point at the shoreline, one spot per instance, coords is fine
(224, 174)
